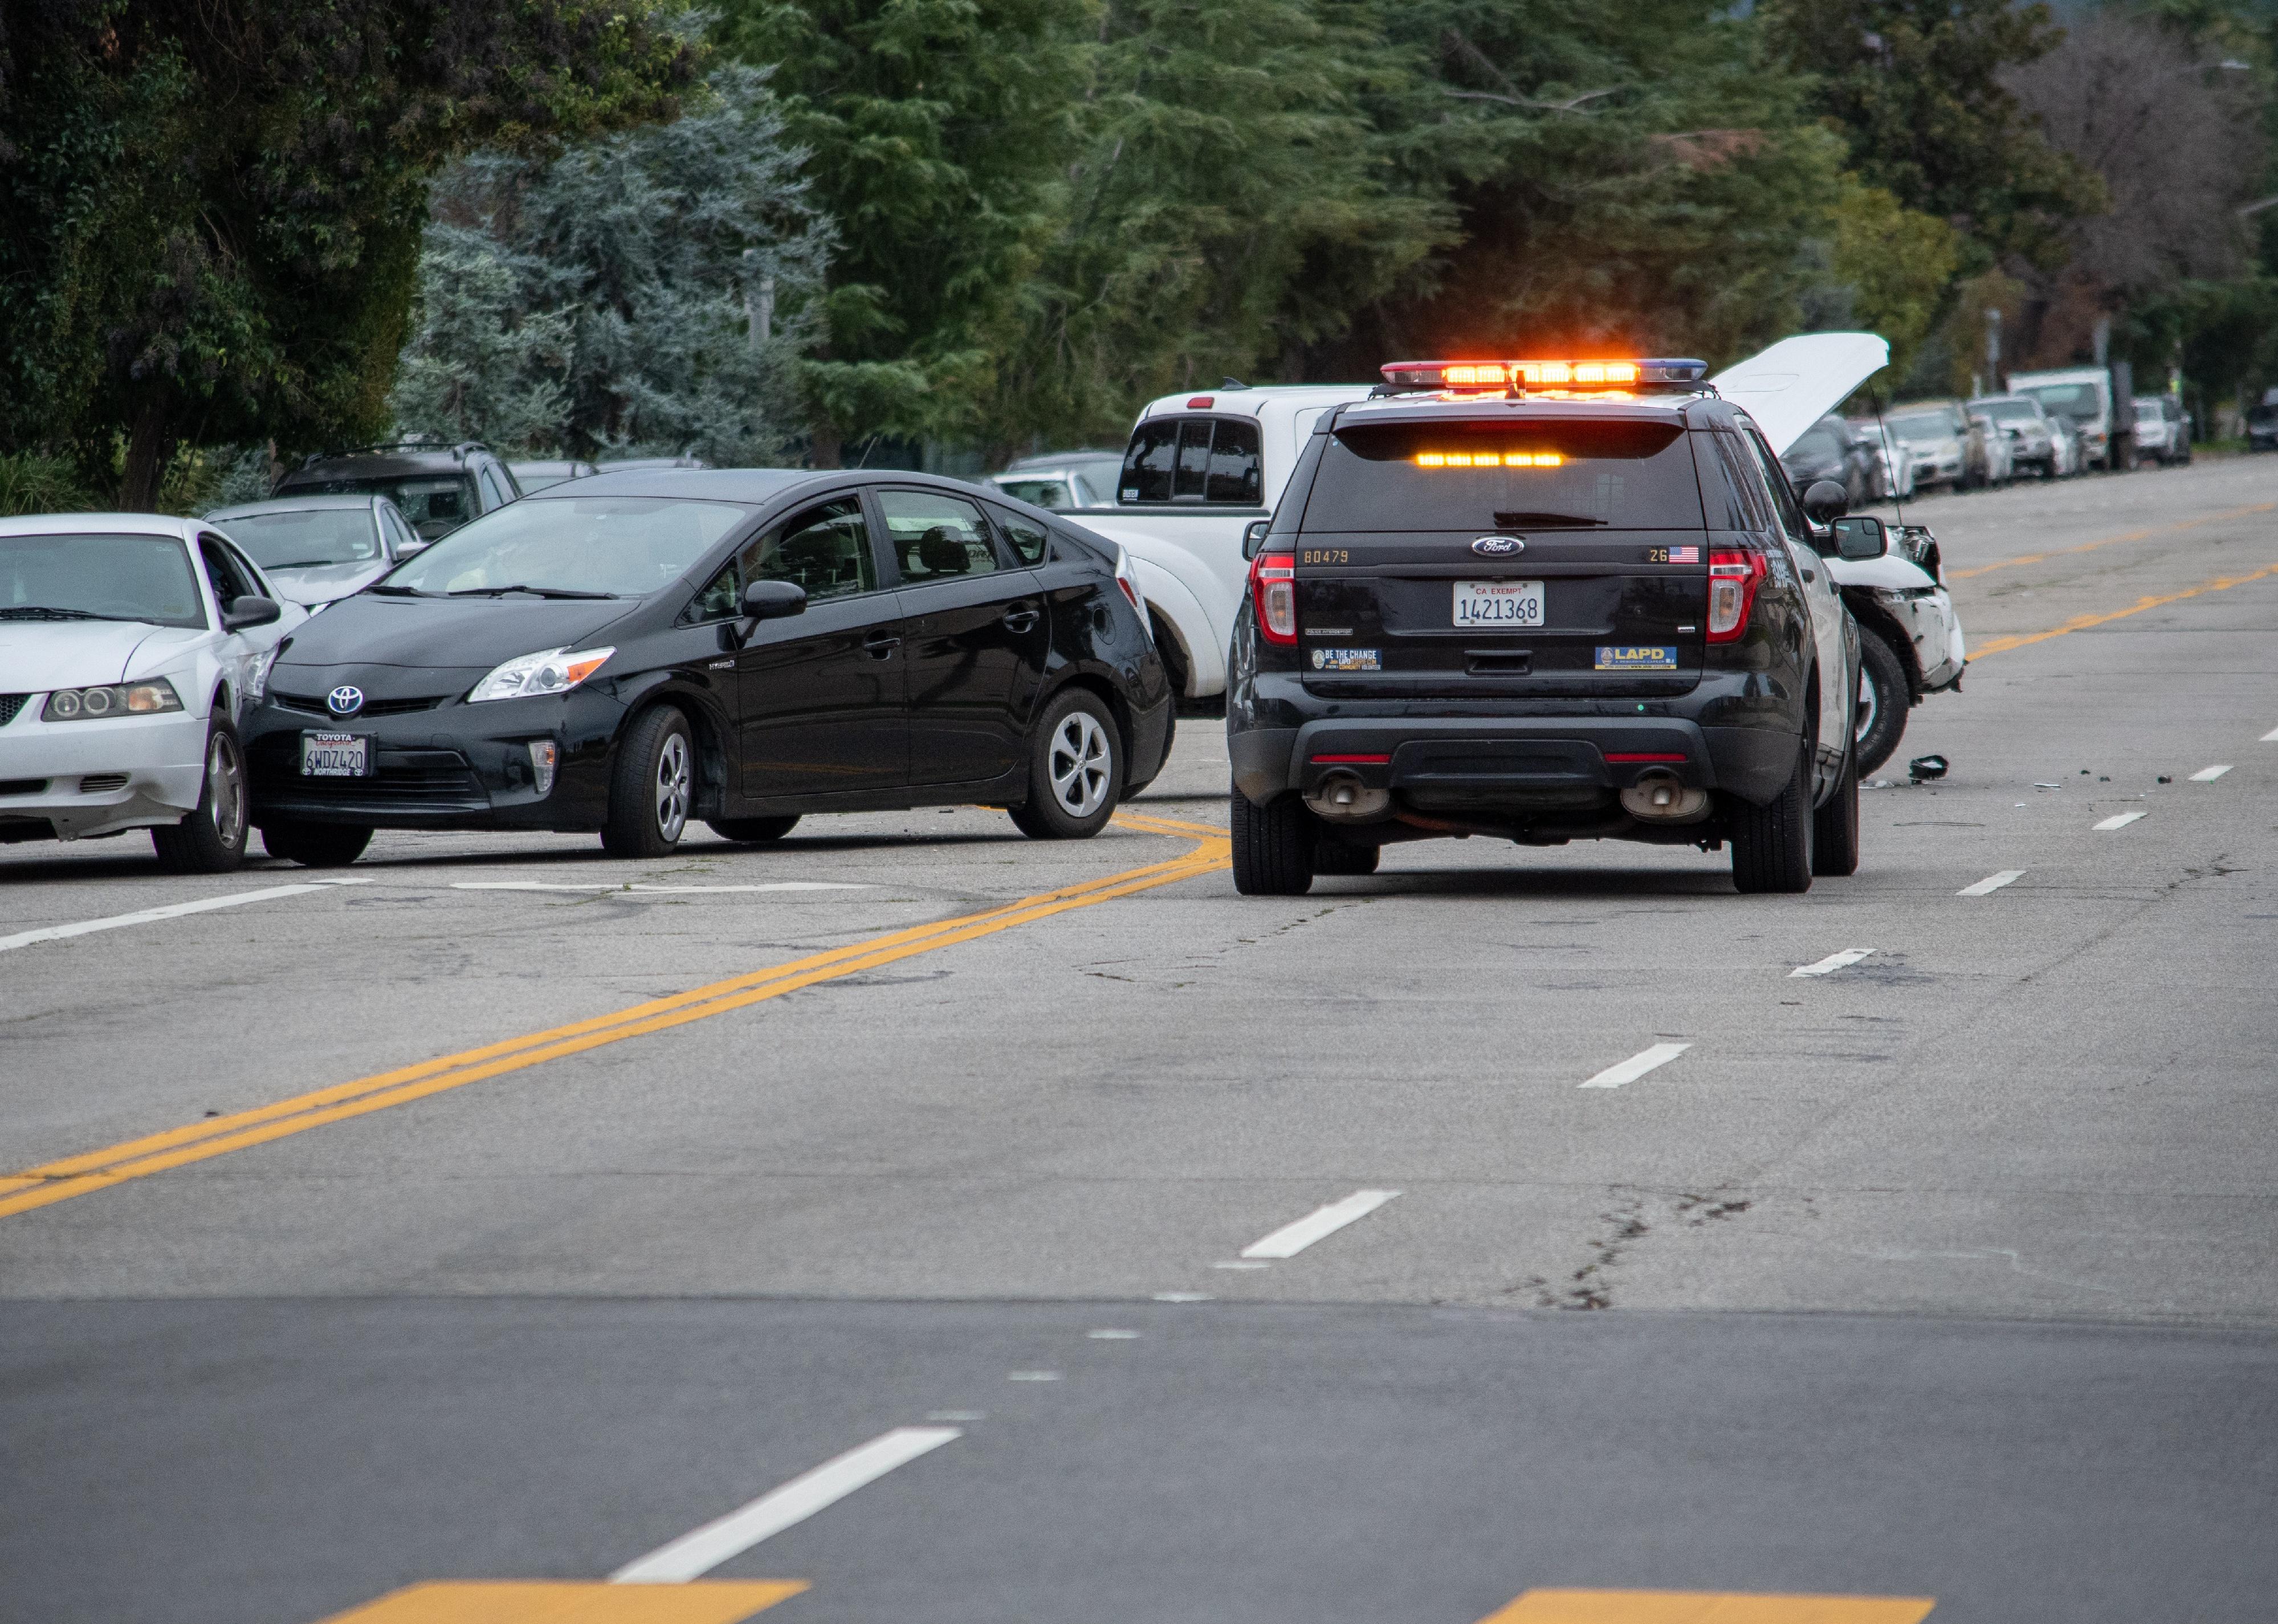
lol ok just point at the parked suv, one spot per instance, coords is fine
(1544, 601)
(2032, 437)
(1831, 449)
(437, 487)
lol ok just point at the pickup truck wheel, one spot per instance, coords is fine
(1880, 720)
(1835, 826)
(1274, 846)
(1336, 856)
(1772, 845)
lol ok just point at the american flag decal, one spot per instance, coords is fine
(1684, 555)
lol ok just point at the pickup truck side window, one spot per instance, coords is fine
(1212, 459)
(1147, 464)
(1235, 475)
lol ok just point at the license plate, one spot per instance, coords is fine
(1498, 603)
(335, 755)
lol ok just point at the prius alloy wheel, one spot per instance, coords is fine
(652, 787)
(1075, 771)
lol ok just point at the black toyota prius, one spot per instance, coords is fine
(629, 651)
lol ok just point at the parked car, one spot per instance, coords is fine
(131, 645)
(2163, 431)
(318, 549)
(437, 488)
(629, 651)
(1831, 450)
(2072, 451)
(2099, 399)
(2020, 421)
(2262, 422)
(538, 476)
(1063, 481)
(1936, 434)
(1992, 451)
(1894, 463)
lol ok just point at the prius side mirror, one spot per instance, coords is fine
(1253, 536)
(772, 600)
(243, 614)
(1860, 538)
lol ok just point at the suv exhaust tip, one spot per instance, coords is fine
(1342, 797)
(1658, 798)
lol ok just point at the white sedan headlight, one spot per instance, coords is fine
(112, 699)
(550, 671)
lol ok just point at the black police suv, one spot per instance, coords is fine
(631, 651)
(1543, 601)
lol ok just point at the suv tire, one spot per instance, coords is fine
(752, 831)
(1880, 713)
(1274, 846)
(1772, 845)
(316, 845)
(1835, 825)
(1075, 770)
(650, 787)
(211, 840)
(1337, 857)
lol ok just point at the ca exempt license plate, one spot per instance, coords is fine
(335, 755)
(1498, 603)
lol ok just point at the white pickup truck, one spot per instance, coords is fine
(1202, 465)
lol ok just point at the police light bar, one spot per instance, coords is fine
(1524, 375)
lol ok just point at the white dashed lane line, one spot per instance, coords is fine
(171, 910)
(1832, 962)
(1291, 1238)
(2208, 775)
(699, 1550)
(1992, 883)
(1636, 1066)
(2119, 820)
(2271, 737)
(597, 885)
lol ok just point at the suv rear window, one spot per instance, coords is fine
(1488, 474)
(1212, 459)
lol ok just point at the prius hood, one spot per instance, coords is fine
(438, 634)
(41, 656)
(1799, 380)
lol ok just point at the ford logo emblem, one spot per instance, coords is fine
(344, 700)
(1498, 546)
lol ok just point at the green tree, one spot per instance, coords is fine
(1898, 264)
(1915, 88)
(480, 365)
(215, 210)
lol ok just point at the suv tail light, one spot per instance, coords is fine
(1733, 578)
(1273, 589)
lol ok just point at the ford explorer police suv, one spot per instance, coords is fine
(1543, 601)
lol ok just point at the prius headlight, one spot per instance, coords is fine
(112, 699)
(550, 671)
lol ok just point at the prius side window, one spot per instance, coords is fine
(825, 550)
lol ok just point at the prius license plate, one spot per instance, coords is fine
(335, 755)
(1498, 603)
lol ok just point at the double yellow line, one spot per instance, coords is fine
(217, 1136)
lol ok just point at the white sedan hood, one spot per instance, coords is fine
(1799, 380)
(38, 656)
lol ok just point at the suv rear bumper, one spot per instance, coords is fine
(1532, 758)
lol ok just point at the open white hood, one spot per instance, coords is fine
(1799, 380)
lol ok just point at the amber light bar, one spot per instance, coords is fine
(1488, 459)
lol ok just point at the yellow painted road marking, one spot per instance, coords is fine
(2111, 541)
(198, 1141)
(1697, 1607)
(2220, 583)
(514, 1601)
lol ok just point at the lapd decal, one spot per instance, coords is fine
(1636, 657)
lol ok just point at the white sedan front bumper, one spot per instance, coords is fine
(87, 778)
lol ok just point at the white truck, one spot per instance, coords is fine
(2101, 402)
(1204, 465)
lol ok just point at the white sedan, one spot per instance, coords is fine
(130, 644)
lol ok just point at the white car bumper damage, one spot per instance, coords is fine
(73, 780)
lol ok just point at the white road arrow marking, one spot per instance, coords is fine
(1637, 1065)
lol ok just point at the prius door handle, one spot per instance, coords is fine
(1021, 618)
(878, 645)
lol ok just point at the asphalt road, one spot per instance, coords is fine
(484, 1219)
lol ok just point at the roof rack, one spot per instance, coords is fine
(459, 451)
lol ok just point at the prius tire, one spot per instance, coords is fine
(1772, 845)
(316, 845)
(1835, 825)
(1075, 771)
(652, 786)
(752, 831)
(1274, 846)
(211, 840)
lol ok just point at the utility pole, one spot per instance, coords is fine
(1993, 346)
(759, 301)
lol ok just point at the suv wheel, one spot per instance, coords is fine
(316, 845)
(211, 840)
(1274, 846)
(651, 786)
(1835, 825)
(1772, 845)
(1336, 857)
(1880, 718)
(1075, 771)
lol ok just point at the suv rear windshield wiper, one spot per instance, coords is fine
(1514, 521)
(40, 611)
(535, 591)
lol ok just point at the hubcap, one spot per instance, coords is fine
(1869, 706)
(1077, 764)
(672, 787)
(226, 790)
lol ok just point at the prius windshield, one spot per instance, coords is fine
(611, 546)
(98, 578)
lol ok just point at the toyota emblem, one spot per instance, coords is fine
(1498, 546)
(344, 700)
